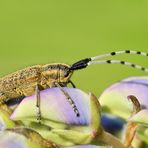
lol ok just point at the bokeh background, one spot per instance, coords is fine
(39, 32)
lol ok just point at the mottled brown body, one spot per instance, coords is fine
(24, 82)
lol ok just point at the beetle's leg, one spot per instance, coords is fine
(2, 98)
(37, 92)
(73, 85)
(72, 103)
(3, 105)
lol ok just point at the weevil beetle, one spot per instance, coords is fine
(30, 80)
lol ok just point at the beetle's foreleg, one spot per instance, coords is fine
(69, 99)
(37, 92)
(73, 85)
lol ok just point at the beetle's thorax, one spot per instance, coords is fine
(55, 72)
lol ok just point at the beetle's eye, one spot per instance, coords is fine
(66, 73)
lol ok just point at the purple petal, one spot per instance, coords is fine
(23, 138)
(54, 106)
(12, 140)
(115, 96)
(57, 113)
(137, 86)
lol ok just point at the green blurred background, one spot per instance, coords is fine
(39, 32)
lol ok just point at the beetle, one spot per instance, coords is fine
(32, 79)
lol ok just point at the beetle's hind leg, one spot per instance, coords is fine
(72, 103)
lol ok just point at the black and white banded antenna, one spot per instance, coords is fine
(91, 61)
(119, 52)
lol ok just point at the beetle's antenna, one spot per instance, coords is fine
(119, 52)
(118, 62)
(84, 65)
(89, 61)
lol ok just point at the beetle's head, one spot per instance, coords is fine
(58, 72)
